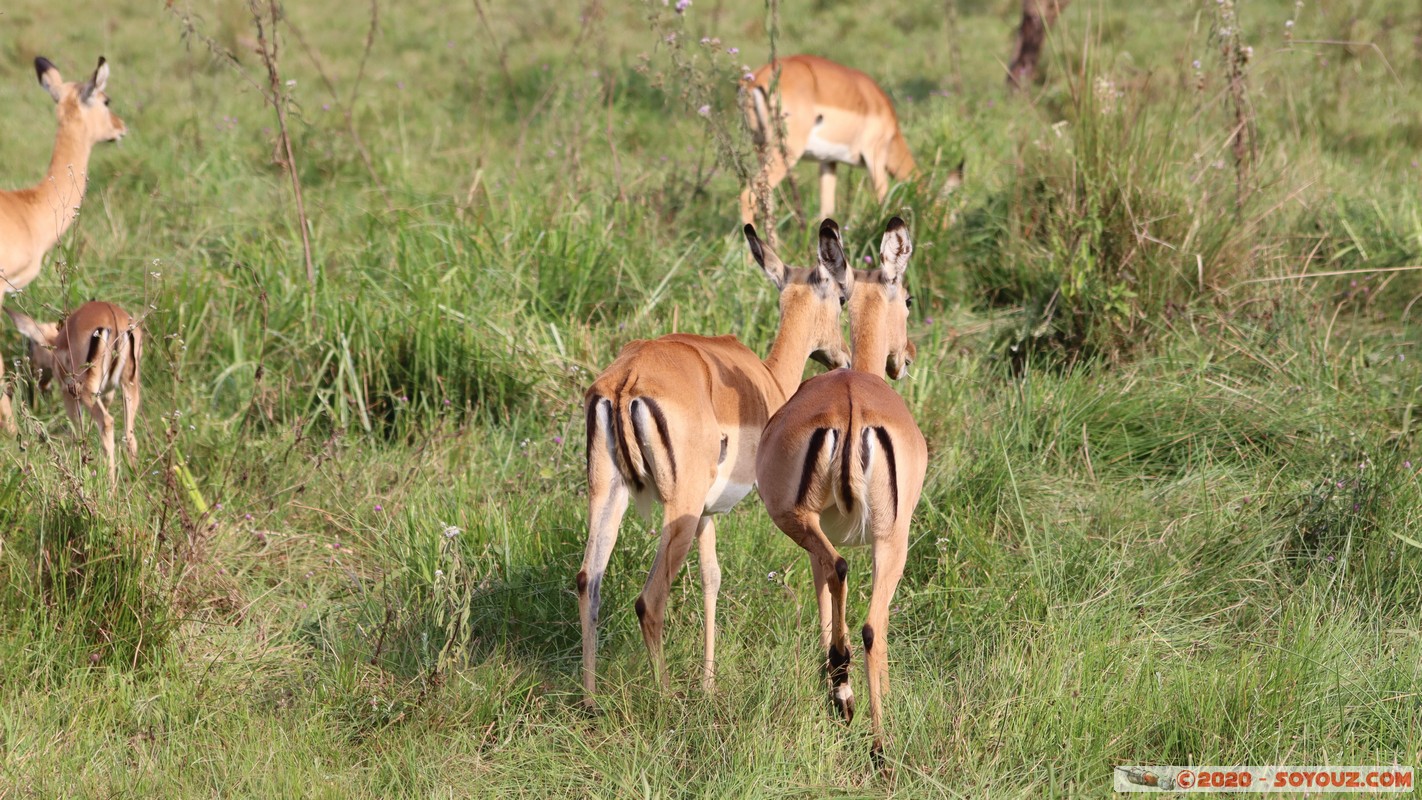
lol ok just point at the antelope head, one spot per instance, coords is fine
(82, 106)
(879, 309)
(811, 298)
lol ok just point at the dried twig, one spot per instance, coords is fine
(268, 49)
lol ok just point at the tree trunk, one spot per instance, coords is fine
(1037, 16)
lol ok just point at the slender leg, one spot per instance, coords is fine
(7, 414)
(822, 600)
(607, 503)
(890, 553)
(710, 587)
(879, 176)
(678, 532)
(106, 433)
(805, 529)
(130, 383)
(773, 170)
(827, 185)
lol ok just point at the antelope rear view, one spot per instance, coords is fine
(842, 464)
(677, 420)
(92, 352)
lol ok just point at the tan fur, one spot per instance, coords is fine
(826, 103)
(677, 420)
(825, 497)
(92, 352)
(32, 220)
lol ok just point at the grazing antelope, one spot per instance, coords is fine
(678, 419)
(33, 219)
(92, 352)
(842, 465)
(833, 115)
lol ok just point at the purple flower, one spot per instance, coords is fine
(733, 50)
(868, 259)
(682, 6)
(928, 320)
(1407, 465)
(400, 85)
(704, 111)
(750, 77)
(379, 507)
(446, 401)
(247, 517)
(325, 106)
(557, 440)
(217, 507)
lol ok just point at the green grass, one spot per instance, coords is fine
(1172, 511)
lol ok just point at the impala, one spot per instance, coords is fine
(842, 465)
(832, 114)
(91, 352)
(33, 219)
(677, 420)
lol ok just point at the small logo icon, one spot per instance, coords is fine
(1151, 778)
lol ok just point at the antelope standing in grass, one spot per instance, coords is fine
(677, 420)
(92, 352)
(33, 219)
(832, 114)
(842, 464)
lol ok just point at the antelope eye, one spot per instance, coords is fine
(908, 301)
(843, 300)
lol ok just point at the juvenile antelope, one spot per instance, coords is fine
(842, 465)
(33, 219)
(92, 352)
(677, 420)
(832, 114)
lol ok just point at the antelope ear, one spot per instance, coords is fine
(96, 83)
(49, 77)
(27, 326)
(832, 259)
(895, 250)
(766, 258)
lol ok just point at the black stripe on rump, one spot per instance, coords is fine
(592, 425)
(888, 445)
(661, 420)
(621, 435)
(812, 456)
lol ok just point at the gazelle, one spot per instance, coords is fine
(832, 114)
(677, 420)
(93, 351)
(33, 219)
(842, 464)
